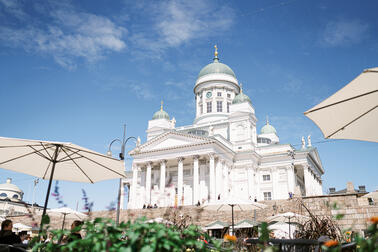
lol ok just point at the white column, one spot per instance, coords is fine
(134, 186)
(195, 180)
(225, 180)
(162, 178)
(180, 180)
(275, 185)
(250, 183)
(218, 178)
(320, 187)
(148, 183)
(307, 180)
(290, 179)
(212, 177)
(122, 196)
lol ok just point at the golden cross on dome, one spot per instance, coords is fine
(216, 51)
(161, 106)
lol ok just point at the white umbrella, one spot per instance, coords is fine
(66, 211)
(231, 203)
(288, 217)
(57, 160)
(21, 227)
(159, 220)
(352, 112)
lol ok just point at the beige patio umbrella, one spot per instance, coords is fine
(288, 217)
(352, 112)
(230, 203)
(58, 161)
(66, 211)
(21, 227)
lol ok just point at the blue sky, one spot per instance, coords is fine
(77, 71)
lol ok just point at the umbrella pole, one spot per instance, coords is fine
(232, 216)
(50, 182)
(289, 229)
(64, 218)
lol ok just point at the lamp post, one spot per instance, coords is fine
(121, 157)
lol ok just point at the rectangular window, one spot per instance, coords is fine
(266, 177)
(201, 109)
(228, 95)
(219, 106)
(219, 94)
(208, 107)
(267, 196)
(228, 107)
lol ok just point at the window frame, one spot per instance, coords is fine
(267, 195)
(264, 176)
(219, 106)
(209, 107)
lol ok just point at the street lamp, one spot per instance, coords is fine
(121, 157)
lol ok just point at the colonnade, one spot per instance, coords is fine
(217, 183)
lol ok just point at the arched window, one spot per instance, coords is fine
(3, 195)
(15, 196)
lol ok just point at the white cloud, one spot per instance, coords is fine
(142, 91)
(69, 35)
(13, 7)
(179, 22)
(344, 32)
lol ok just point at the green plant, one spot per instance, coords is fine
(104, 235)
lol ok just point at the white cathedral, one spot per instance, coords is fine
(220, 155)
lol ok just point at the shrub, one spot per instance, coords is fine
(104, 235)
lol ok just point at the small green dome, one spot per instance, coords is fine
(268, 129)
(160, 115)
(240, 98)
(216, 67)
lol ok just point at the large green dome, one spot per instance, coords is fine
(240, 98)
(216, 67)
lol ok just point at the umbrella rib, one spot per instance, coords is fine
(351, 98)
(101, 164)
(48, 166)
(38, 152)
(35, 151)
(16, 146)
(93, 153)
(77, 165)
(68, 157)
(346, 125)
(46, 151)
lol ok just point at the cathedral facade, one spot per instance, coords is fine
(221, 155)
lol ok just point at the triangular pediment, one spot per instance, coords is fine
(315, 156)
(171, 140)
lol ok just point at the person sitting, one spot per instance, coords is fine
(155, 205)
(75, 231)
(24, 237)
(144, 206)
(6, 234)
